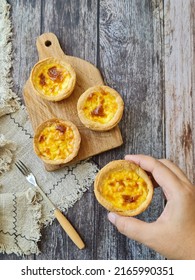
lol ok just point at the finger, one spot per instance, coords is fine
(150, 234)
(175, 169)
(169, 182)
(154, 183)
(133, 228)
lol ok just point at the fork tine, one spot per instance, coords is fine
(19, 167)
(23, 169)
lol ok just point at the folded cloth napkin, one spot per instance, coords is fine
(22, 211)
(19, 227)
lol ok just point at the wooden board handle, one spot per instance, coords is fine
(66, 225)
(48, 46)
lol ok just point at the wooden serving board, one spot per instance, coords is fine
(92, 143)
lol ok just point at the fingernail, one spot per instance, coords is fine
(112, 217)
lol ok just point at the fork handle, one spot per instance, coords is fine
(69, 229)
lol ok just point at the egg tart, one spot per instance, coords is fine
(123, 187)
(100, 108)
(57, 141)
(53, 79)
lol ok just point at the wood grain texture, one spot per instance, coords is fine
(40, 110)
(124, 39)
(131, 60)
(179, 83)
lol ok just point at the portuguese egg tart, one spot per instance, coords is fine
(56, 141)
(53, 79)
(100, 108)
(123, 187)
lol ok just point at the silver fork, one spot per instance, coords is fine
(66, 225)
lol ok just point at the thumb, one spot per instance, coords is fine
(133, 228)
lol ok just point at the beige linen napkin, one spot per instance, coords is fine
(22, 211)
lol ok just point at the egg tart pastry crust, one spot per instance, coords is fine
(123, 187)
(56, 141)
(100, 108)
(53, 79)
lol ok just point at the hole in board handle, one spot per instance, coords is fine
(48, 43)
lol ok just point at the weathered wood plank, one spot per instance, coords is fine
(131, 60)
(75, 24)
(26, 19)
(179, 83)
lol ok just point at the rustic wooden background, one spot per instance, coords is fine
(142, 48)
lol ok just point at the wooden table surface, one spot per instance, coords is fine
(136, 46)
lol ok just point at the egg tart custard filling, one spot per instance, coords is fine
(57, 141)
(100, 108)
(123, 187)
(53, 79)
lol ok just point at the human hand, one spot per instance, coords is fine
(173, 233)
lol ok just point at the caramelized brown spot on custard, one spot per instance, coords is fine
(61, 128)
(98, 111)
(121, 182)
(48, 151)
(129, 199)
(89, 98)
(55, 74)
(42, 79)
(41, 138)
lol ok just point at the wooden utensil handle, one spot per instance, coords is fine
(66, 225)
(48, 46)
